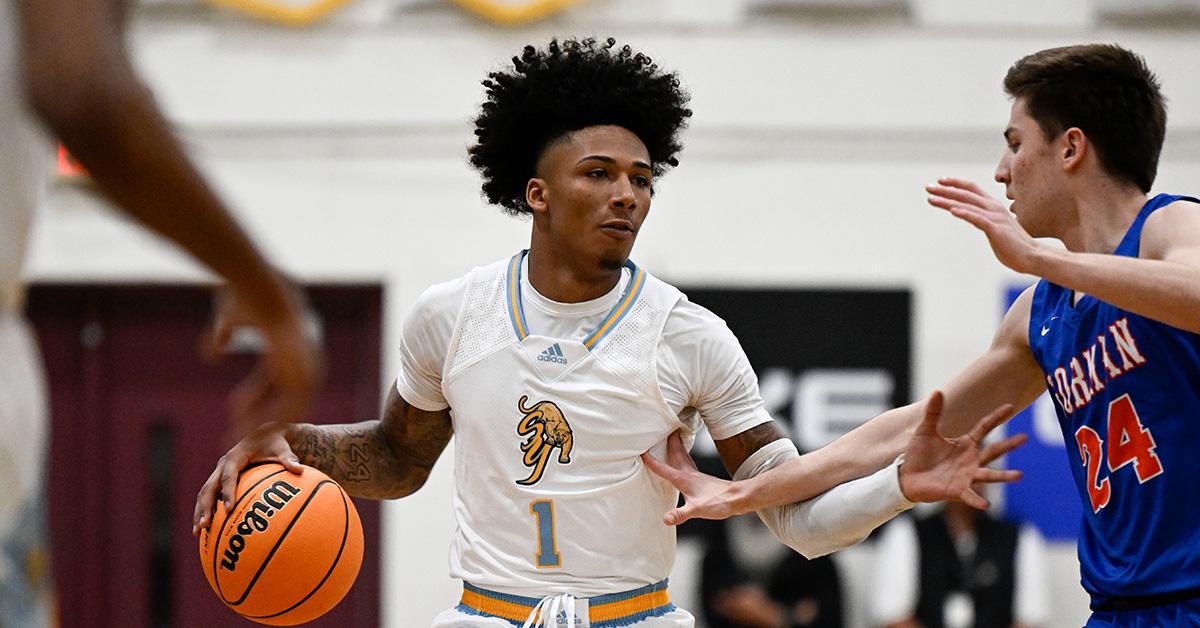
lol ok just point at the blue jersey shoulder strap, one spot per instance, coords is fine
(1130, 245)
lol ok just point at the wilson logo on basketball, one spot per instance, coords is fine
(257, 519)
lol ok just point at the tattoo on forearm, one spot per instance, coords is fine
(378, 459)
(359, 457)
(350, 454)
(317, 450)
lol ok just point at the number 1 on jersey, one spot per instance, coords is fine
(547, 554)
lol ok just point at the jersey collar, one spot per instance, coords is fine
(516, 310)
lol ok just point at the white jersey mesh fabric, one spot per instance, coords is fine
(483, 321)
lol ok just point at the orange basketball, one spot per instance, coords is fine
(291, 550)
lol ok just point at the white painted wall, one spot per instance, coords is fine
(343, 150)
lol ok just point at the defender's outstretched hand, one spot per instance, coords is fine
(937, 468)
(707, 497)
(1013, 246)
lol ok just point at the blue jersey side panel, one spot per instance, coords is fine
(1141, 534)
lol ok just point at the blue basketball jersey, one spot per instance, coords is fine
(1127, 392)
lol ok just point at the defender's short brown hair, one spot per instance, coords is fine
(1106, 91)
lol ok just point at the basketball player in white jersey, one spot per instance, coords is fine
(558, 367)
(63, 69)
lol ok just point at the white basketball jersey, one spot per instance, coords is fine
(550, 493)
(24, 155)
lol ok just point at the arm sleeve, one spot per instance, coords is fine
(895, 577)
(424, 342)
(840, 517)
(703, 364)
(1032, 597)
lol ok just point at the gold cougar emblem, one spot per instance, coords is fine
(545, 428)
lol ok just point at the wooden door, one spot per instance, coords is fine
(137, 425)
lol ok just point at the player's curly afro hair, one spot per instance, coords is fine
(572, 85)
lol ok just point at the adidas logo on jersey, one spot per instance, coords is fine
(553, 353)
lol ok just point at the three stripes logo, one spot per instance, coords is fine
(553, 353)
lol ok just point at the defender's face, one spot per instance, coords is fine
(1031, 174)
(597, 192)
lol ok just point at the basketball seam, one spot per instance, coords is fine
(336, 559)
(217, 541)
(266, 561)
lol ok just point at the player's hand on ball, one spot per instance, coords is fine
(706, 497)
(937, 468)
(267, 443)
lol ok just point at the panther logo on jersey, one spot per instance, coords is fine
(545, 428)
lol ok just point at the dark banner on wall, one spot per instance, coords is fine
(827, 360)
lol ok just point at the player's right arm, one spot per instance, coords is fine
(384, 459)
(78, 78)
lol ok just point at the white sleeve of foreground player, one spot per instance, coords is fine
(835, 519)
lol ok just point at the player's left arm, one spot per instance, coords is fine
(1162, 284)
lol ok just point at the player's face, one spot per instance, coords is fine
(1030, 173)
(597, 192)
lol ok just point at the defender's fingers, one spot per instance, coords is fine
(677, 516)
(952, 207)
(976, 214)
(990, 422)
(973, 499)
(965, 184)
(938, 202)
(663, 470)
(973, 216)
(677, 454)
(961, 195)
(995, 450)
(997, 475)
(933, 414)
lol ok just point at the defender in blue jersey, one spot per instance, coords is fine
(1111, 330)
(1112, 327)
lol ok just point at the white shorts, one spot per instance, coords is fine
(454, 618)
